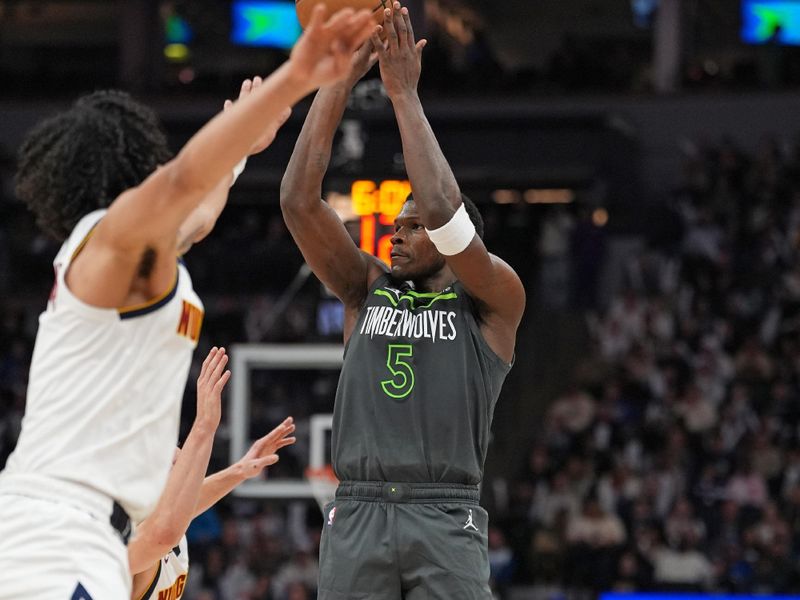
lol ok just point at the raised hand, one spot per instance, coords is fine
(210, 384)
(401, 55)
(249, 86)
(323, 54)
(263, 451)
(363, 60)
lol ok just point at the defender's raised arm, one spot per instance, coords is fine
(148, 216)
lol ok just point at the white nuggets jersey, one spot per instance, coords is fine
(169, 581)
(105, 389)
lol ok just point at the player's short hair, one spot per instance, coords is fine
(82, 159)
(472, 211)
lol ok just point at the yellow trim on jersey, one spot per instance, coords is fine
(148, 591)
(80, 246)
(154, 301)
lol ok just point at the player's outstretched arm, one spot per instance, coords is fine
(488, 279)
(148, 216)
(319, 233)
(164, 528)
(261, 455)
(203, 218)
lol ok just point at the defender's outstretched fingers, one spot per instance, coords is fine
(338, 23)
(261, 463)
(356, 30)
(317, 19)
(286, 442)
(219, 365)
(211, 354)
(222, 382)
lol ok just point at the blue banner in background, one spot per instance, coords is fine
(270, 24)
(771, 21)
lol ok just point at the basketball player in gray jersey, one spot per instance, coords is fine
(429, 343)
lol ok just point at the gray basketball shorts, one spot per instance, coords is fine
(401, 541)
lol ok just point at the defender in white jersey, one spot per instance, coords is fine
(158, 553)
(114, 345)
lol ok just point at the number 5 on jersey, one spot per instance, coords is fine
(402, 382)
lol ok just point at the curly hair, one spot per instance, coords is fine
(472, 210)
(82, 159)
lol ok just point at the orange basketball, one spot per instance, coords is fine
(304, 8)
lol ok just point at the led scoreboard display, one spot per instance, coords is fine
(376, 206)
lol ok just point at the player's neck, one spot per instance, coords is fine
(436, 282)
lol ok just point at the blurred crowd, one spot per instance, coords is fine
(671, 460)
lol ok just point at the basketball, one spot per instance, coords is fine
(304, 8)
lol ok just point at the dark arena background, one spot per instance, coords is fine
(636, 161)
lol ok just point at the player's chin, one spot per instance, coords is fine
(398, 271)
(401, 269)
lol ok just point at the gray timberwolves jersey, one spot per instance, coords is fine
(417, 391)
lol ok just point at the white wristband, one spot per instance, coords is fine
(238, 169)
(454, 236)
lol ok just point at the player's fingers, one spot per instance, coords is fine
(286, 427)
(222, 382)
(204, 369)
(316, 20)
(391, 32)
(266, 461)
(409, 27)
(364, 52)
(247, 85)
(219, 365)
(400, 26)
(257, 81)
(286, 442)
(337, 25)
(362, 28)
(378, 43)
(227, 105)
(421, 46)
(353, 31)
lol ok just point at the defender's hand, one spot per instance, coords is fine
(249, 86)
(401, 55)
(263, 451)
(210, 384)
(323, 54)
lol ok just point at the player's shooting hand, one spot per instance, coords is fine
(210, 384)
(363, 60)
(248, 87)
(324, 53)
(401, 55)
(263, 452)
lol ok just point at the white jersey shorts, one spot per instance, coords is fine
(54, 551)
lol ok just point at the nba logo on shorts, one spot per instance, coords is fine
(331, 516)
